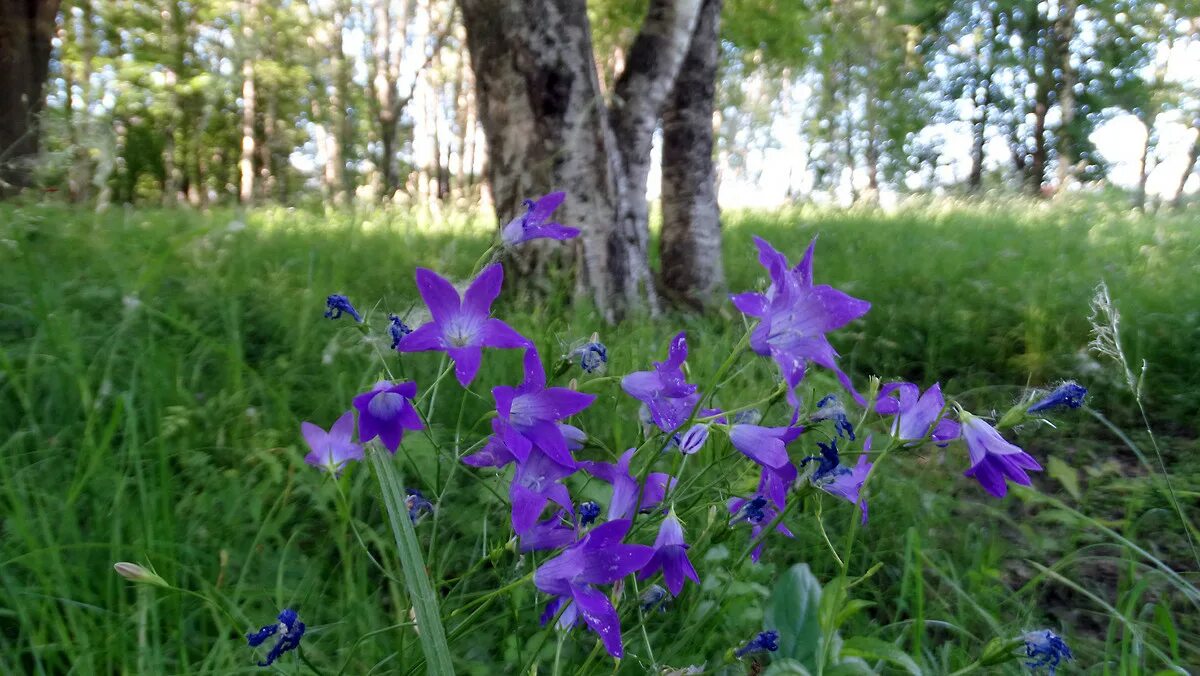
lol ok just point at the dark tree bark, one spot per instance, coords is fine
(26, 27)
(548, 127)
(692, 269)
(1064, 33)
(1188, 168)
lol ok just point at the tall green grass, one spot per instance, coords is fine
(156, 365)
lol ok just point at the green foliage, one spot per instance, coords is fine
(156, 365)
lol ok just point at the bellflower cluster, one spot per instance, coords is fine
(533, 428)
(290, 630)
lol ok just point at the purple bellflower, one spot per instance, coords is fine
(529, 413)
(625, 501)
(462, 327)
(331, 450)
(774, 484)
(1046, 649)
(691, 441)
(290, 630)
(758, 512)
(847, 482)
(1068, 395)
(794, 316)
(386, 411)
(665, 391)
(338, 304)
(535, 483)
(764, 642)
(992, 458)
(917, 417)
(598, 558)
(766, 446)
(532, 224)
(552, 533)
(670, 555)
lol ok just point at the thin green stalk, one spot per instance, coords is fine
(420, 590)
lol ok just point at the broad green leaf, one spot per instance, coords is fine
(875, 649)
(850, 667)
(793, 612)
(1065, 474)
(786, 667)
(852, 608)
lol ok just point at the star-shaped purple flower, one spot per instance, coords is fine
(532, 224)
(992, 458)
(529, 413)
(758, 513)
(598, 558)
(332, 450)
(625, 502)
(665, 390)
(462, 327)
(794, 316)
(386, 411)
(670, 555)
(917, 417)
(535, 483)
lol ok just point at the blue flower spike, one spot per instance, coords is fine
(290, 630)
(764, 642)
(339, 304)
(1068, 395)
(1046, 649)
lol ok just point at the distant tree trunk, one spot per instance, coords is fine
(1038, 159)
(548, 128)
(1064, 33)
(1139, 195)
(26, 27)
(1188, 168)
(334, 133)
(692, 269)
(979, 133)
(246, 164)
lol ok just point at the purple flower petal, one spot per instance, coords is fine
(466, 362)
(479, 296)
(439, 295)
(600, 616)
(498, 334)
(426, 337)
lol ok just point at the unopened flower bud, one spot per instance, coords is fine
(140, 574)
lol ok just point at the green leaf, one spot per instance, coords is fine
(850, 667)
(875, 649)
(786, 667)
(1066, 475)
(852, 608)
(793, 612)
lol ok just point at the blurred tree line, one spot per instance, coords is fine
(217, 100)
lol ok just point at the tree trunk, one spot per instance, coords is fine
(1139, 196)
(26, 27)
(692, 270)
(1037, 161)
(1064, 33)
(1188, 168)
(246, 164)
(547, 128)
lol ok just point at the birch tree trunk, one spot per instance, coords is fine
(692, 269)
(548, 128)
(1064, 34)
(1188, 168)
(246, 163)
(26, 27)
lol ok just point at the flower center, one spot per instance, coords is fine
(385, 405)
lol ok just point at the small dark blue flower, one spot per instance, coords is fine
(751, 510)
(290, 630)
(1068, 395)
(338, 304)
(830, 408)
(416, 504)
(588, 512)
(398, 329)
(653, 597)
(828, 463)
(1046, 650)
(593, 356)
(764, 642)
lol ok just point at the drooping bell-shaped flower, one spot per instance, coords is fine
(670, 556)
(994, 460)
(665, 390)
(385, 411)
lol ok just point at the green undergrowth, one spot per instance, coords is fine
(156, 366)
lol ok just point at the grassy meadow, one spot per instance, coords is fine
(155, 367)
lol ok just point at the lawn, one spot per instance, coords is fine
(156, 366)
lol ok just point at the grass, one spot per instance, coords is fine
(156, 365)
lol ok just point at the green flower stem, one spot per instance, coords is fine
(420, 590)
